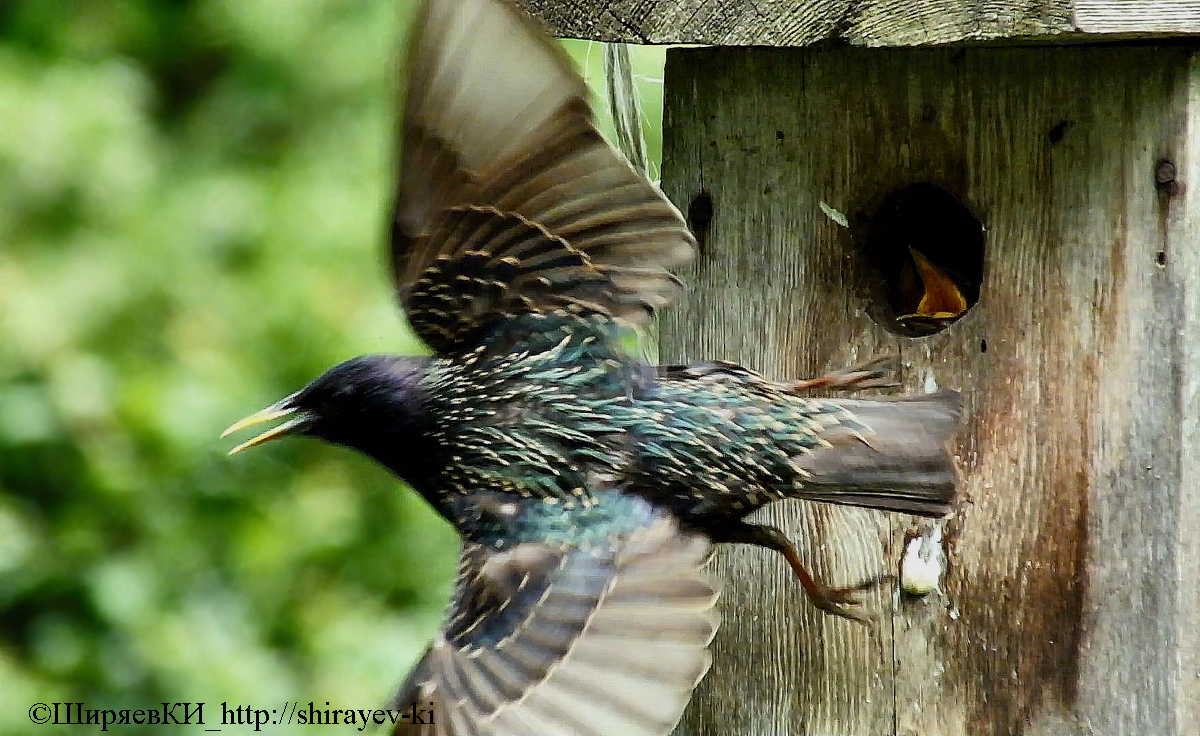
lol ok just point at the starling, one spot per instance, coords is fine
(586, 486)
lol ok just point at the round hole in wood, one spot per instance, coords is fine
(924, 252)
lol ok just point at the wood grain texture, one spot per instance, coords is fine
(861, 22)
(1071, 602)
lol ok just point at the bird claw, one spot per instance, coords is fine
(846, 602)
(877, 373)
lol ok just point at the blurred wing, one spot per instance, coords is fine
(509, 202)
(416, 694)
(552, 640)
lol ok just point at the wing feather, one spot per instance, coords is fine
(557, 639)
(509, 201)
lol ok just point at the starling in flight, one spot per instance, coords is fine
(586, 487)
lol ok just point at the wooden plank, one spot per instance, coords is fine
(1183, 230)
(1136, 16)
(1070, 604)
(863, 22)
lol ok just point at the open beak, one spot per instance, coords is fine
(296, 420)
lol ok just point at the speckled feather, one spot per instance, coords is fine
(567, 414)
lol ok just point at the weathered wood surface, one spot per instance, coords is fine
(1071, 602)
(861, 22)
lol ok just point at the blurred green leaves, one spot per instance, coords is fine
(193, 200)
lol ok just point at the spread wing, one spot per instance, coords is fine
(509, 202)
(557, 640)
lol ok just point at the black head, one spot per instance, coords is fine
(370, 403)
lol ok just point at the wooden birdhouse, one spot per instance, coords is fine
(1004, 195)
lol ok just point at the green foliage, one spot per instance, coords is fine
(193, 198)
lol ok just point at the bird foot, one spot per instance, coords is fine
(846, 601)
(877, 373)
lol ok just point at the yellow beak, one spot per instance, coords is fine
(278, 410)
(941, 299)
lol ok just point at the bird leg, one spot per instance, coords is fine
(877, 373)
(839, 601)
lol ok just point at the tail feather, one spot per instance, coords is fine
(902, 463)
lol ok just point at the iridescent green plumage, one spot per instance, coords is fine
(564, 413)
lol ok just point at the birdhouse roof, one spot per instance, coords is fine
(872, 23)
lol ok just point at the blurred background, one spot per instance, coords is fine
(193, 203)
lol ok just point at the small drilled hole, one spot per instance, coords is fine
(1059, 131)
(700, 211)
(925, 251)
(983, 345)
(1161, 258)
